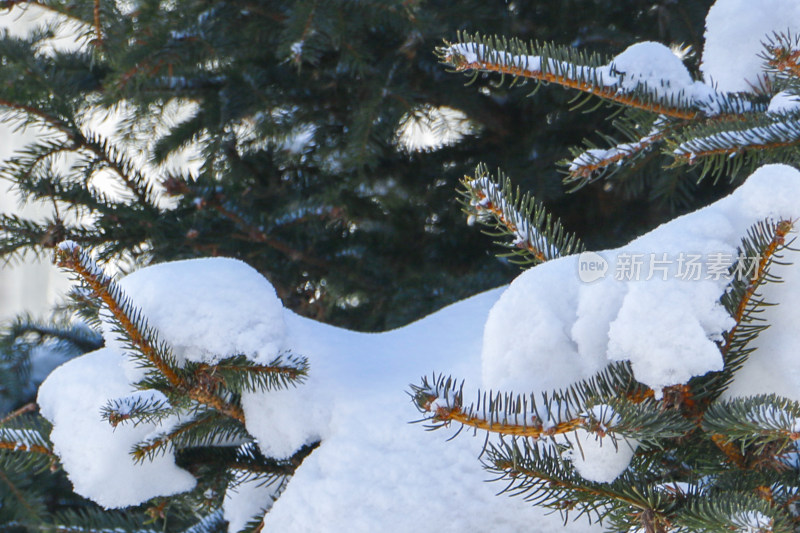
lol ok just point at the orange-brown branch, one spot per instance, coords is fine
(97, 28)
(27, 408)
(515, 469)
(101, 288)
(497, 212)
(455, 414)
(588, 169)
(607, 93)
(21, 447)
(784, 60)
(782, 229)
(689, 158)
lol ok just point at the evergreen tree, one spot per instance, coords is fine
(295, 111)
(702, 461)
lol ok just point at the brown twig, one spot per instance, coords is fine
(98, 42)
(103, 287)
(460, 64)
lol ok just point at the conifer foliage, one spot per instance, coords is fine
(700, 461)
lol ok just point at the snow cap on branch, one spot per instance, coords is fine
(96, 455)
(550, 329)
(207, 310)
(734, 40)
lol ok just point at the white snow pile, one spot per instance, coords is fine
(231, 326)
(784, 102)
(736, 31)
(373, 468)
(95, 455)
(550, 330)
(546, 331)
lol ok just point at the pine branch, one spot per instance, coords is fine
(28, 504)
(209, 428)
(736, 512)
(539, 475)
(116, 161)
(782, 56)
(536, 235)
(90, 519)
(611, 403)
(592, 164)
(133, 327)
(564, 66)
(23, 444)
(725, 150)
(766, 240)
(239, 374)
(140, 409)
(768, 423)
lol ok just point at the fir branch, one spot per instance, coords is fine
(126, 170)
(722, 149)
(560, 65)
(93, 519)
(249, 231)
(30, 503)
(539, 475)
(735, 512)
(83, 338)
(589, 165)
(133, 328)
(44, 118)
(239, 374)
(443, 404)
(132, 325)
(246, 459)
(209, 428)
(611, 403)
(25, 409)
(137, 410)
(782, 56)
(767, 422)
(536, 235)
(24, 441)
(766, 240)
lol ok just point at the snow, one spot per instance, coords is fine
(371, 462)
(248, 500)
(784, 102)
(598, 457)
(218, 308)
(734, 37)
(657, 67)
(95, 455)
(647, 65)
(549, 329)
(556, 324)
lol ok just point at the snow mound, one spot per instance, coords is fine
(95, 455)
(207, 310)
(784, 102)
(654, 65)
(653, 302)
(550, 329)
(735, 33)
